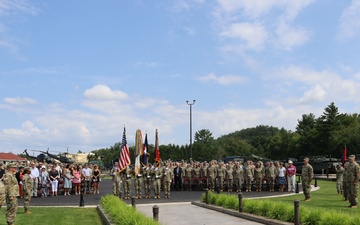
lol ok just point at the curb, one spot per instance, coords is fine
(104, 217)
(251, 217)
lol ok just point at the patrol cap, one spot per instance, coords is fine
(351, 157)
(11, 165)
(306, 158)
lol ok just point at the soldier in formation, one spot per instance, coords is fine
(353, 179)
(116, 180)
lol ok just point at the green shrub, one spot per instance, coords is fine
(220, 200)
(231, 202)
(313, 217)
(329, 218)
(120, 213)
(249, 206)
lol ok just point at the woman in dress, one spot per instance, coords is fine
(67, 179)
(281, 177)
(96, 179)
(54, 176)
(77, 179)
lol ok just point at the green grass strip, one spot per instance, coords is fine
(121, 213)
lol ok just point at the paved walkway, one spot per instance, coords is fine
(185, 213)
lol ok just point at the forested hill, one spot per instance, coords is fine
(325, 135)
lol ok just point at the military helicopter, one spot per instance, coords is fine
(61, 158)
(40, 158)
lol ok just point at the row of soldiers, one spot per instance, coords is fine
(347, 181)
(9, 192)
(215, 174)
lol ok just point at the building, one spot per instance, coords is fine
(6, 158)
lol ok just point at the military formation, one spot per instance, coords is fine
(347, 181)
(216, 176)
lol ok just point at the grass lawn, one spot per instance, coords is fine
(54, 216)
(326, 197)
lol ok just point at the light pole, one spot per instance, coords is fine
(190, 104)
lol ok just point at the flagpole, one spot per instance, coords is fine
(190, 104)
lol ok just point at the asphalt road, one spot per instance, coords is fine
(106, 188)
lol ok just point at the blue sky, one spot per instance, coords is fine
(73, 73)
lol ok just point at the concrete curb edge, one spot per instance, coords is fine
(246, 216)
(104, 217)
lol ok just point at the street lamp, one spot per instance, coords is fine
(190, 104)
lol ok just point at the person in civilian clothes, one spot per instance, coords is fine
(177, 177)
(291, 176)
(19, 175)
(35, 176)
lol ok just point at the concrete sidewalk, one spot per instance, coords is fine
(185, 213)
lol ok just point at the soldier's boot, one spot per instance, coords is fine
(27, 211)
(158, 196)
(307, 199)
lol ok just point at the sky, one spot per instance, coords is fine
(74, 73)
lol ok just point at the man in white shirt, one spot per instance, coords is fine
(35, 176)
(86, 172)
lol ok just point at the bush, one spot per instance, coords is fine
(121, 213)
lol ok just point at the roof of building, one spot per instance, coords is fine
(10, 157)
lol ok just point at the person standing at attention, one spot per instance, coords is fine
(307, 174)
(27, 188)
(354, 174)
(12, 192)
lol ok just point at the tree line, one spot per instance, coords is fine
(325, 135)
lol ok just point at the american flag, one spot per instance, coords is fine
(124, 159)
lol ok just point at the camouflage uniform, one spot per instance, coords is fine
(353, 178)
(211, 174)
(126, 174)
(346, 183)
(138, 184)
(168, 176)
(271, 176)
(229, 178)
(2, 194)
(220, 176)
(307, 175)
(147, 181)
(27, 190)
(116, 181)
(258, 176)
(248, 176)
(157, 182)
(12, 192)
(238, 176)
(339, 179)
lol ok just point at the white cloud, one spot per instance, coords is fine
(103, 92)
(253, 33)
(223, 80)
(325, 85)
(315, 94)
(20, 101)
(190, 31)
(147, 64)
(288, 37)
(349, 26)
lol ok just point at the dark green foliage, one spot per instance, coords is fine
(325, 135)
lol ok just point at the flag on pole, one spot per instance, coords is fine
(124, 159)
(157, 150)
(145, 155)
(138, 151)
(344, 155)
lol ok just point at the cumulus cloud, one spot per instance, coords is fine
(253, 33)
(288, 36)
(314, 94)
(103, 92)
(20, 101)
(349, 24)
(223, 80)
